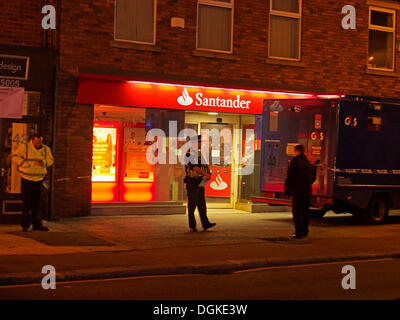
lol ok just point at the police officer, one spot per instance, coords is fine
(298, 186)
(32, 159)
(197, 175)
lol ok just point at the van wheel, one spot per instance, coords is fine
(377, 211)
(316, 214)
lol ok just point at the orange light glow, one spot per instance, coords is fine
(137, 192)
(104, 192)
(215, 91)
(143, 85)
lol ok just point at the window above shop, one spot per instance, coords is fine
(215, 25)
(135, 21)
(285, 29)
(381, 42)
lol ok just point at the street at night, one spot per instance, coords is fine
(376, 279)
(164, 261)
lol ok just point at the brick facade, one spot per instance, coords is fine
(333, 61)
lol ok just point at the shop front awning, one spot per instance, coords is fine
(124, 91)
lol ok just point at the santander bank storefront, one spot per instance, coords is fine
(141, 129)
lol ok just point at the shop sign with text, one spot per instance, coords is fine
(176, 96)
(14, 67)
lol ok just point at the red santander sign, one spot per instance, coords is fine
(176, 96)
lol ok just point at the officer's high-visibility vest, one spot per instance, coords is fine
(26, 156)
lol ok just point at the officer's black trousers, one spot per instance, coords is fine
(196, 198)
(300, 207)
(30, 192)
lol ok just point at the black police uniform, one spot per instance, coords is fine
(196, 196)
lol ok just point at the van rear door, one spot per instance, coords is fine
(287, 123)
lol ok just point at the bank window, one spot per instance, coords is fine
(135, 21)
(381, 39)
(215, 25)
(285, 29)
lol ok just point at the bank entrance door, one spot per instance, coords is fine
(221, 190)
(12, 134)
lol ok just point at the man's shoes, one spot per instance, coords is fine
(41, 228)
(209, 226)
(192, 230)
(24, 229)
(295, 236)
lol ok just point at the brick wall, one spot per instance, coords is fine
(334, 59)
(21, 24)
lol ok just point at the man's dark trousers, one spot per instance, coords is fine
(196, 198)
(301, 204)
(31, 191)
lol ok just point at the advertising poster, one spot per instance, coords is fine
(104, 154)
(137, 167)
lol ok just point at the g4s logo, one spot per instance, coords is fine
(317, 136)
(351, 121)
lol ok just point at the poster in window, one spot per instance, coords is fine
(104, 154)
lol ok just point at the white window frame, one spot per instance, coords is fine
(133, 41)
(385, 29)
(229, 5)
(286, 14)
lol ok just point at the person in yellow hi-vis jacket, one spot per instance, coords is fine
(32, 159)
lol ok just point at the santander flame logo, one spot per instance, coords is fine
(218, 184)
(185, 99)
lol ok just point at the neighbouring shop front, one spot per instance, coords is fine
(29, 72)
(126, 110)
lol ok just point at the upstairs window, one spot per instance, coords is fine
(285, 29)
(135, 21)
(381, 39)
(215, 25)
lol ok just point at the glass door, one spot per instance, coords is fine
(12, 134)
(219, 191)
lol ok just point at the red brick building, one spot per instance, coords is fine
(264, 46)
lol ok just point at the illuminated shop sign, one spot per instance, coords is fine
(177, 96)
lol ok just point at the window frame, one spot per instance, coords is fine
(384, 29)
(220, 4)
(286, 14)
(134, 41)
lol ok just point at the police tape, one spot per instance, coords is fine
(73, 178)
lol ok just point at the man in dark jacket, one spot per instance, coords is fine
(197, 175)
(298, 186)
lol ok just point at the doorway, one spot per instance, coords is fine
(221, 191)
(12, 134)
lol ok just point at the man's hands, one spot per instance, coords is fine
(198, 170)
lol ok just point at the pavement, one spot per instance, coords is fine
(121, 246)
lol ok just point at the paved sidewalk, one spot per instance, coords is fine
(99, 247)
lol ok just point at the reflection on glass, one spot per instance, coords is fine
(380, 49)
(15, 134)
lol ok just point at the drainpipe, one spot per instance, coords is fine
(52, 215)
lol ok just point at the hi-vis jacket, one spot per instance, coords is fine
(26, 156)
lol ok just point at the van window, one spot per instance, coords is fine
(374, 123)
